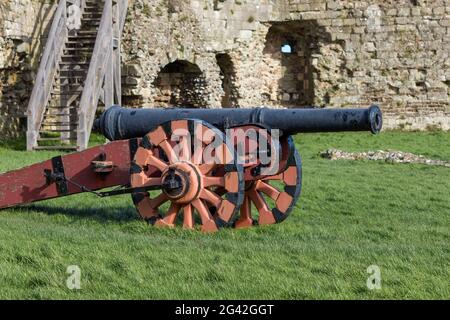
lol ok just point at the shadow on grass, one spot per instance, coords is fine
(102, 215)
(121, 214)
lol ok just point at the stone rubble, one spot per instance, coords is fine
(381, 155)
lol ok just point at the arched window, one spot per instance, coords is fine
(287, 48)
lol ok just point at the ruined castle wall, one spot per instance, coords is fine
(23, 26)
(343, 53)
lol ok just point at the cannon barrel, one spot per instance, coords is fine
(119, 123)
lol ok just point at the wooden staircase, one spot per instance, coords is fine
(79, 69)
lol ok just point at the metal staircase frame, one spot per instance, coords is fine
(103, 80)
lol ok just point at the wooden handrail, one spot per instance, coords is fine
(46, 73)
(120, 14)
(100, 64)
(123, 8)
(103, 77)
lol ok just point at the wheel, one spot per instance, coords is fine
(190, 160)
(273, 196)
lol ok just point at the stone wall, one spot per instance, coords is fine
(23, 25)
(342, 53)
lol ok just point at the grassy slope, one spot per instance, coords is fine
(351, 215)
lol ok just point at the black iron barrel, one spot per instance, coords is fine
(119, 123)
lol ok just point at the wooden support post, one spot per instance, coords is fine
(117, 52)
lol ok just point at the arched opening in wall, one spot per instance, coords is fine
(228, 75)
(287, 70)
(181, 84)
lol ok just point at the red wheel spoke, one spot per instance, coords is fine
(146, 209)
(184, 149)
(277, 177)
(158, 201)
(267, 189)
(151, 182)
(265, 214)
(258, 200)
(169, 219)
(197, 157)
(159, 164)
(206, 168)
(245, 219)
(188, 219)
(170, 153)
(213, 181)
(142, 156)
(208, 224)
(211, 198)
(203, 211)
(246, 208)
(139, 179)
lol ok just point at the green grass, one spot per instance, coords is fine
(351, 215)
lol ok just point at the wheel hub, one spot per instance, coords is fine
(181, 182)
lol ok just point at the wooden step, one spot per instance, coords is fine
(67, 93)
(79, 49)
(71, 77)
(61, 112)
(80, 37)
(89, 43)
(58, 124)
(88, 28)
(55, 148)
(65, 87)
(92, 9)
(63, 92)
(50, 131)
(91, 15)
(68, 86)
(86, 32)
(66, 63)
(73, 72)
(80, 44)
(60, 108)
(90, 22)
(62, 87)
(60, 115)
(72, 57)
(56, 139)
(57, 120)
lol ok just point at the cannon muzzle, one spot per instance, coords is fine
(119, 123)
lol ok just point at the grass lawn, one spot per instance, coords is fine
(351, 215)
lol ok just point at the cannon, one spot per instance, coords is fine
(199, 168)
